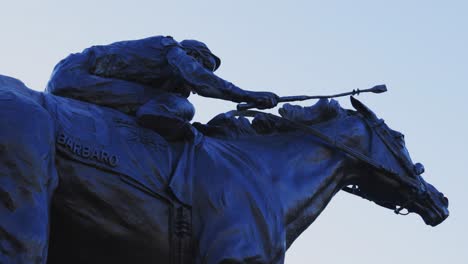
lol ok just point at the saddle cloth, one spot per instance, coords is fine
(110, 140)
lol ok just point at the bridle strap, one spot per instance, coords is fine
(376, 127)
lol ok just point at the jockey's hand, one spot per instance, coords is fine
(263, 100)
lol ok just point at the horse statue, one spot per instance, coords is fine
(80, 183)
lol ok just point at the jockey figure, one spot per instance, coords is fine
(150, 78)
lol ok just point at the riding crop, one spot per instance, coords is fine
(376, 89)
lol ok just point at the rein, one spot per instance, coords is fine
(351, 152)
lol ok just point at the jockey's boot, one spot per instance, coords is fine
(168, 115)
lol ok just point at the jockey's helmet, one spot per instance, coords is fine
(200, 51)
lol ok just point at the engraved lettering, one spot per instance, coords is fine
(69, 143)
(61, 139)
(86, 152)
(113, 160)
(96, 155)
(105, 156)
(77, 149)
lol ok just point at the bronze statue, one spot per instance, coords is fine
(87, 180)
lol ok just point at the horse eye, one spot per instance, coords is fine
(399, 136)
(418, 168)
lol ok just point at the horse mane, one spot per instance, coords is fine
(225, 125)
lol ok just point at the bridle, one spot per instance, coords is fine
(378, 128)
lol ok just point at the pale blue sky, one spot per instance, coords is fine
(418, 48)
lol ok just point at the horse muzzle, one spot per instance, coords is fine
(431, 205)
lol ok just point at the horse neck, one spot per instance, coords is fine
(306, 173)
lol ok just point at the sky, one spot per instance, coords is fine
(417, 48)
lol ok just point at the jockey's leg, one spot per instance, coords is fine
(27, 178)
(169, 115)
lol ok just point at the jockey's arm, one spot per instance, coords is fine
(205, 83)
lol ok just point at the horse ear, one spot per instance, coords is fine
(361, 108)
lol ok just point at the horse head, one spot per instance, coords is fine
(396, 182)
(381, 169)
